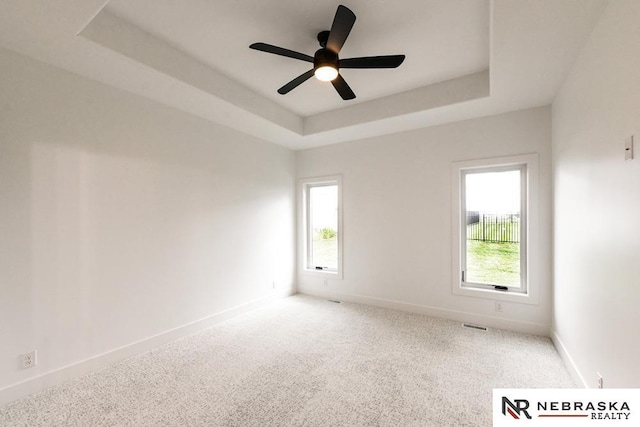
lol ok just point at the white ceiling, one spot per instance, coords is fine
(465, 58)
(219, 34)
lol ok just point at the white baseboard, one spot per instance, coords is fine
(489, 321)
(568, 360)
(83, 367)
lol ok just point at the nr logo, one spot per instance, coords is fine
(516, 408)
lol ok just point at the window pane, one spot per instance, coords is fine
(493, 218)
(323, 220)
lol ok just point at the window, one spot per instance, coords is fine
(322, 226)
(494, 221)
(493, 239)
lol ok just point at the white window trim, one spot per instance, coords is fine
(531, 250)
(303, 220)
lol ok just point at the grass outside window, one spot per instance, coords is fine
(493, 262)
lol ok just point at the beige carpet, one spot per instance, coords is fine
(306, 362)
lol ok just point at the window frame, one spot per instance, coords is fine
(529, 231)
(305, 185)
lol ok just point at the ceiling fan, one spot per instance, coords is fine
(326, 63)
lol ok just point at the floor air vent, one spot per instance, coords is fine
(471, 326)
(334, 301)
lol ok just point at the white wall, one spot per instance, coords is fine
(121, 219)
(398, 215)
(597, 204)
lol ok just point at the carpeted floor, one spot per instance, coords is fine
(306, 362)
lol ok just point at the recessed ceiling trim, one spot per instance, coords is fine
(116, 34)
(465, 88)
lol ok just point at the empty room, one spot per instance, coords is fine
(319, 213)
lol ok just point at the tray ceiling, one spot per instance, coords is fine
(465, 58)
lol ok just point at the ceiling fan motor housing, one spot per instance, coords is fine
(325, 58)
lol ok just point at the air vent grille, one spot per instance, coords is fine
(472, 326)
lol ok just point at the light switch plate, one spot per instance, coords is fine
(628, 148)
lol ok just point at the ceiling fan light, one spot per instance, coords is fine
(326, 73)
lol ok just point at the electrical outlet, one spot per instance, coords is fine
(273, 285)
(28, 360)
(600, 380)
(326, 283)
(499, 306)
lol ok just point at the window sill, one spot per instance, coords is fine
(523, 298)
(322, 273)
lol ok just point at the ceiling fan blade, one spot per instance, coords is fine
(295, 82)
(343, 88)
(269, 48)
(340, 29)
(387, 61)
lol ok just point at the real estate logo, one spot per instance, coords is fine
(566, 407)
(515, 410)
